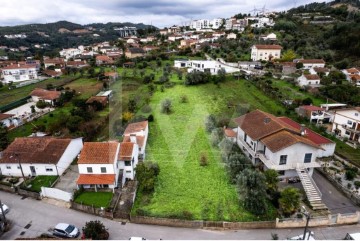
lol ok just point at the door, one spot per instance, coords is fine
(33, 172)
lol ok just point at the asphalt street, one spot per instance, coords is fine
(31, 218)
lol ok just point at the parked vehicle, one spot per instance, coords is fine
(4, 208)
(66, 230)
(352, 236)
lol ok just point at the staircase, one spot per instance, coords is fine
(312, 191)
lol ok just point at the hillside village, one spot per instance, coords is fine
(235, 119)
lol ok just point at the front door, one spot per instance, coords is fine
(33, 172)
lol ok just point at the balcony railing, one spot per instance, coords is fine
(351, 129)
(272, 165)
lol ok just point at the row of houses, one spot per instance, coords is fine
(101, 164)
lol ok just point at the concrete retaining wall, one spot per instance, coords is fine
(7, 188)
(166, 222)
(56, 194)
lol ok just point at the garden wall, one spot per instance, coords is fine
(26, 193)
(7, 188)
(166, 222)
(91, 210)
(56, 194)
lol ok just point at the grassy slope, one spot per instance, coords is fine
(98, 199)
(176, 141)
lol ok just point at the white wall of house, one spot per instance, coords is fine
(72, 150)
(129, 171)
(295, 154)
(96, 168)
(312, 71)
(19, 74)
(329, 150)
(263, 54)
(303, 81)
(13, 169)
(312, 65)
(345, 120)
(182, 63)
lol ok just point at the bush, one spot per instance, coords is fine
(184, 99)
(350, 175)
(166, 106)
(203, 160)
(357, 184)
(95, 230)
(150, 118)
(210, 123)
(187, 215)
(41, 104)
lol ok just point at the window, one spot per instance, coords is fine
(48, 169)
(356, 114)
(18, 167)
(89, 169)
(127, 163)
(245, 137)
(103, 169)
(349, 122)
(281, 173)
(307, 157)
(283, 159)
(347, 133)
(8, 167)
(128, 171)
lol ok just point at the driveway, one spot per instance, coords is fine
(68, 180)
(334, 199)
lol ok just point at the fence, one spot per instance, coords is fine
(92, 210)
(14, 104)
(29, 82)
(56, 194)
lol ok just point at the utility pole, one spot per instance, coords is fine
(307, 215)
(16, 155)
(2, 211)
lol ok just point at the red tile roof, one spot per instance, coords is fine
(101, 99)
(136, 127)
(5, 116)
(271, 46)
(139, 140)
(352, 70)
(35, 150)
(89, 179)
(258, 124)
(321, 70)
(230, 132)
(311, 135)
(98, 153)
(103, 58)
(20, 66)
(126, 151)
(312, 77)
(46, 94)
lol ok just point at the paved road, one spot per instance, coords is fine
(43, 216)
(334, 199)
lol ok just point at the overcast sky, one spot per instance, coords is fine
(160, 13)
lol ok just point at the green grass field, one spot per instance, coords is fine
(41, 181)
(176, 142)
(98, 199)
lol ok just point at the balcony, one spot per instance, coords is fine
(351, 129)
(272, 165)
(246, 147)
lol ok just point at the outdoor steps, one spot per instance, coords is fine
(312, 193)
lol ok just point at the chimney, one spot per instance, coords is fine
(302, 130)
(267, 120)
(133, 138)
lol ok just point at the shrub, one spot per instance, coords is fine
(357, 184)
(146, 109)
(210, 123)
(184, 99)
(95, 230)
(350, 175)
(41, 104)
(203, 160)
(166, 106)
(150, 118)
(187, 215)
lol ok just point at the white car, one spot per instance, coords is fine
(4, 208)
(66, 230)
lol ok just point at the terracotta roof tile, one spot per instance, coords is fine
(98, 153)
(311, 135)
(101, 99)
(311, 108)
(139, 140)
(271, 46)
(230, 132)
(88, 179)
(35, 150)
(312, 77)
(5, 116)
(258, 124)
(46, 94)
(283, 139)
(312, 61)
(126, 151)
(321, 70)
(135, 127)
(20, 66)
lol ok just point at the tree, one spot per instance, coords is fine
(73, 123)
(132, 105)
(288, 55)
(166, 106)
(251, 185)
(272, 180)
(95, 230)
(217, 135)
(236, 163)
(126, 116)
(146, 174)
(210, 123)
(226, 148)
(290, 200)
(32, 109)
(4, 140)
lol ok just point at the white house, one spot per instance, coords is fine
(98, 165)
(39, 156)
(107, 164)
(313, 113)
(17, 72)
(270, 36)
(346, 123)
(352, 75)
(70, 53)
(231, 36)
(265, 52)
(308, 80)
(319, 70)
(206, 23)
(6, 120)
(49, 96)
(311, 63)
(275, 144)
(137, 133)
(210, 66)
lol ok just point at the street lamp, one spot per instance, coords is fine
(307, 215)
